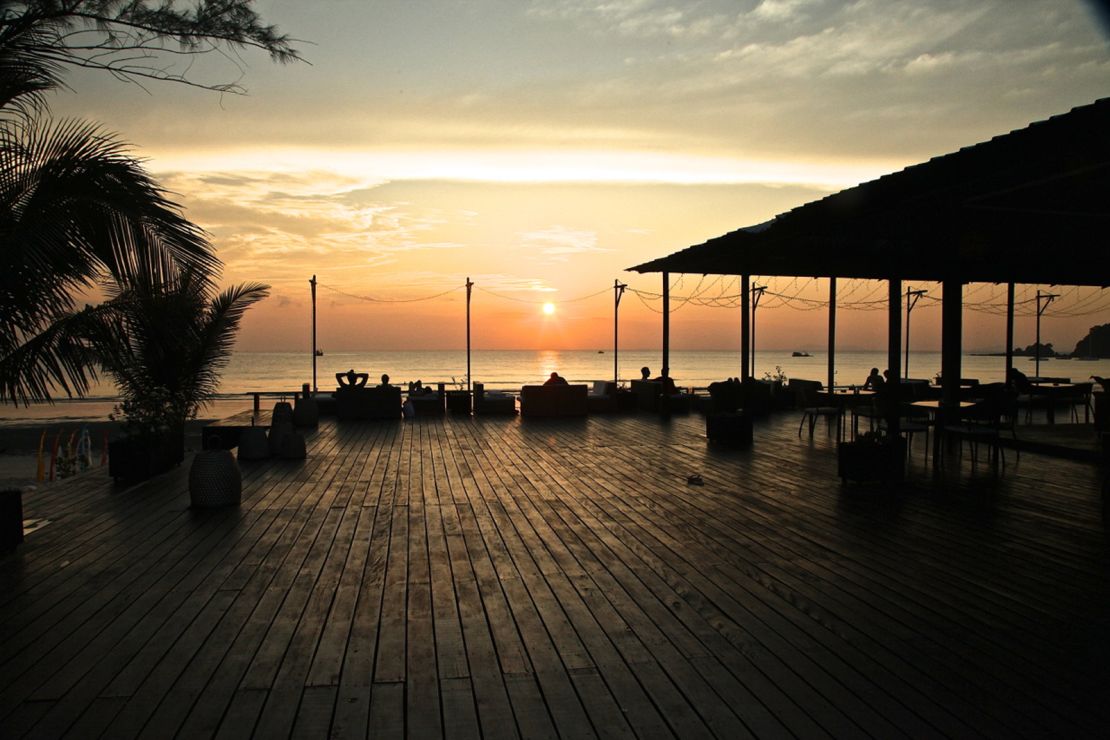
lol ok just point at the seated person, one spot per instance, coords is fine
(668, 384)
(645, 373)
(351, 379)
(555, 379)
(385, 381)
(1019, 381)
(419, 389)
(874, 382)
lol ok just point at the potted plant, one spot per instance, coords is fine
(871, 456)
(154, 436)
(164, 344)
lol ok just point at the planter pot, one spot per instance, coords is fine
(278, 433)
(134, 459)
(214, 479)
(283, 412)
(866, 460)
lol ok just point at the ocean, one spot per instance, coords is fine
(278, 373)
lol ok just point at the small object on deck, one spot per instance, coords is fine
(214, 479)
(695, 480)
(278, 432)
(283, 411)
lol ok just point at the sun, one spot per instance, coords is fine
(548, 309)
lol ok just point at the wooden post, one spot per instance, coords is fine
(618, 291)
(1009, 332)
(832, 332)
(745, 328)
(666, 325)
(894, 358)
(469, 285)
(312, 282)
(951, 321)
(757, 293)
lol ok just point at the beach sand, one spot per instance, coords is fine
(19, 445)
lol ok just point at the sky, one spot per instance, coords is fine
(541, 148)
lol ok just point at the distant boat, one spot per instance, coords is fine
(800, 354)
(319, 353)
(601, 351)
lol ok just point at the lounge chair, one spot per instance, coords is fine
(368, 402)
(554, 400)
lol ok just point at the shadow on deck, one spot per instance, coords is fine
(498, 577)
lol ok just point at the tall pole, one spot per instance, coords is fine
(312, 282)
(469, 285)
(832, 332)
(911, 301)
(1009, 332)
(666, 325)
(618, 291)
(745, 328)
(1047, 298)
(894, 326)
(757, 293)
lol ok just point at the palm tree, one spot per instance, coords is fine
(75, 207)
(164, 344)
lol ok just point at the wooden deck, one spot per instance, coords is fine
(498, 578)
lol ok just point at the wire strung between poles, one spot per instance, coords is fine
(391, 300)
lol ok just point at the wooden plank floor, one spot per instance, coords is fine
(499, 577)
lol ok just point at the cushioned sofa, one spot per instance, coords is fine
(554, 400)
(368, 403)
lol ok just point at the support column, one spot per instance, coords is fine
(1009, 331)
(951, 343)
(745, 327)
(832, 332)
(666, 325)
(894, 358)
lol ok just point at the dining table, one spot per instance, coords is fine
(934, 406)
(851, 399)
(1054, 393)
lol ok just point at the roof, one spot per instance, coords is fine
(1030, 206)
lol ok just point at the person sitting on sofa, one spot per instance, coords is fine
(385, 381)
(555, 379)
(419, 389)
(645, 373)
(351, 379)
(668, 385)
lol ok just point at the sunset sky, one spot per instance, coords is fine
(542, 147)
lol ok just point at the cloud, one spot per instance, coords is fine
(559, 242)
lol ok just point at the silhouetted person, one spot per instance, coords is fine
(1019, 381)
(874, 381)
(351, 379)
(645, 373)
(555, 379)
(668, 384)
(385, 381)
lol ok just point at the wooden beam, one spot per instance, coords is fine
(894, 357)
(745, 327)
(1009, 331)
(832, 332)
(666, 373)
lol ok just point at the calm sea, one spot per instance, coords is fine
(275, 373)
